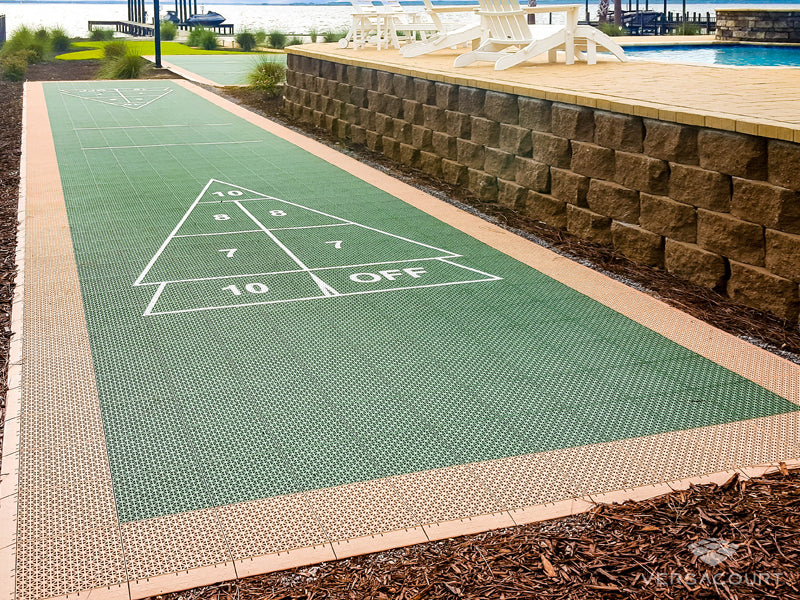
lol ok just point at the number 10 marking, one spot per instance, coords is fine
(251, 288)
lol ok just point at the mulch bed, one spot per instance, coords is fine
(636, 550)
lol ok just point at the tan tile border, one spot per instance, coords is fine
(782, 130)
(185, 73)
(607, 472)
(9, 480)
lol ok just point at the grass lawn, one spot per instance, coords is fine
(94, 50)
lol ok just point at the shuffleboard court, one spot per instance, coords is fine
(244, 352)
(218, 69)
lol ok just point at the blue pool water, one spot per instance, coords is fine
(720, 54)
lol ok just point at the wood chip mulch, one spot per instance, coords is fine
(638, 550)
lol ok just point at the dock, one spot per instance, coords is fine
(147, 30)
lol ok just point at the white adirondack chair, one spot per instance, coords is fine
(448, 35)
(364, 25)
(403, 26)
(509, 40)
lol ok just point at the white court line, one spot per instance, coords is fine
(326, 289)
(469, 268)
(377, 264)
(165, 145)
(411, 287)
(171, 235)
(154, 299)
(399, 237)
(218, 233)
(150, 126)
(123, 96)
(237, 200)
(309, 226)
(259, 230)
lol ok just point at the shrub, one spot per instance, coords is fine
(201, 37)
(168, 30)
(267, 76)
(611, 29)
(295, 41)
(21, 39)
(113, 50)
(128, 66)
(60, 40)
(194, 36)
(333, 36)
(35, 46)
(101, 35)
(687, 29)
(208, 40)
(246, 41)
(277, 39)
(261, 36)
(14, 66)
(313, 34)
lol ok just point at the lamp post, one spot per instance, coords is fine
(157, 29)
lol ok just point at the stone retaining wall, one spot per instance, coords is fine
(718, 208)
(758, 25)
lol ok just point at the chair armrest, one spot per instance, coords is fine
(453, 9)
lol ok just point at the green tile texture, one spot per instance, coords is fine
(224, 69)
(273, 393)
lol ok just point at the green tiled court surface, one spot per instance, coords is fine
(262, 322)
(223, 69)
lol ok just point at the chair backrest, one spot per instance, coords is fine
(363, 6)
(505, 20)
(393, 6)
(437, 20)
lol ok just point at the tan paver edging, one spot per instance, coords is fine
(706, 96)
(9, 476)
(185, 73)
(180, 551)
(68, 536)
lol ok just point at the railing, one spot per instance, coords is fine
(658, 23)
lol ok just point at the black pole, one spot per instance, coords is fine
(157, 27)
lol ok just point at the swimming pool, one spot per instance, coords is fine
(720, 54)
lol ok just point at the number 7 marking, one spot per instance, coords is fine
(229, 251)
(336, 244)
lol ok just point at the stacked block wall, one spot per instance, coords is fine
(776, 26)
(717, 208)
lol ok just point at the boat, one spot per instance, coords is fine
(210, 19)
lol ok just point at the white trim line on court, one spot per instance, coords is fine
(149, 126)
(185, 235)
(171, 235)
(377, 264)
(326, 289)
(337, 295)
(165, 145)
(399, 237)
